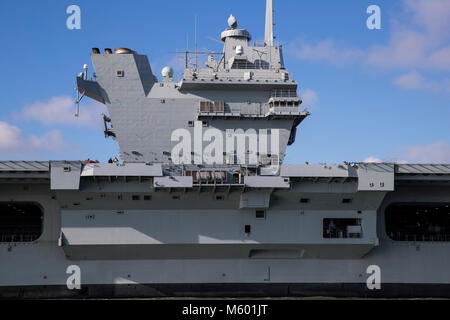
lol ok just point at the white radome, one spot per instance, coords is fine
(167, 72)
(232, 22)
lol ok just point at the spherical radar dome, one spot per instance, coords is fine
(167, 72)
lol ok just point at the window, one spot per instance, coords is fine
(219, 106)
(242, 64)
(260, 214)
(418, 222)
(20, 222)
(342, 228)
(205, 106)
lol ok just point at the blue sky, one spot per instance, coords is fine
(373, 94)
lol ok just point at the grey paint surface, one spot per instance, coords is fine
(141, 110)
(148, 221)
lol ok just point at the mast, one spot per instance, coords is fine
(268, 36)
(196, 50)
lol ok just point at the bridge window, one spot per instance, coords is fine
(242, 64)
(219, 106)
(205, 106)
(418, 222)
(342, 228)
(20, 222)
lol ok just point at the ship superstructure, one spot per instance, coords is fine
(247, 88)
(203, 203)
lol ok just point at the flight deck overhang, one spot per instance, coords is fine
(423, 172)
(318, 170)
(66, 175)
(369, 177)
(125, 170)
(24, 170)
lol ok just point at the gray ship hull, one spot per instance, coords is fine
(203, 205)
(108, 269)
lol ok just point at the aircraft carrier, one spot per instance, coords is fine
(201, 203)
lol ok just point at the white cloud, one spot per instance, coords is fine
(372, 160)
(438, 152)
(61, 110)
(440, 58)
(12, 140)
(406, 48)
(414, 81)
(50, 141)
(419, 42)
(326, 50)
(309, 98)
(432, 15)
(10, 136)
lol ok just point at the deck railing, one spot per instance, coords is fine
(284, 94)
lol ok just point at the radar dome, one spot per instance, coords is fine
(232, 22)
(167, 72)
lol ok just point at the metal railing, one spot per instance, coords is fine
(420, 237)
(284, 94)
(11, 238)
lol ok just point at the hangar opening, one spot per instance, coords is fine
(20, 221)
(418, 222)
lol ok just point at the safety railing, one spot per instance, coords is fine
(284, 94)
(11, 238)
